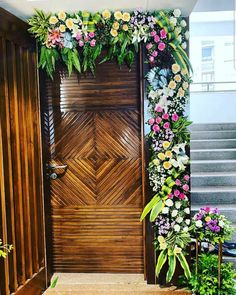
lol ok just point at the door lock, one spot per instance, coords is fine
(52, 171)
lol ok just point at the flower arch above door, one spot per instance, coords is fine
(77, 40)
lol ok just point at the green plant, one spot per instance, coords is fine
(5, 249)
(205, 282)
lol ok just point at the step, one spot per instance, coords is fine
(212, 143)
(206, 179)
(213, 165)
(213, 127)
(107, 284)
(227, 210)
(213, 154)
(213, 195)
(227, 134)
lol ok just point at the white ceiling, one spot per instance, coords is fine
(25, 8)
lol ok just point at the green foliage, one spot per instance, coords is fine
(54, 282)
(90, 55)
(206, 281)
(47, 59)
(180, 129)
(39, 24)
(5, 249)
(71, 59)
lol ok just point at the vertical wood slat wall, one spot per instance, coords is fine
(21, 206)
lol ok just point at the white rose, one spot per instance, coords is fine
(221, 223)
(198, 223)
(177, 12)
(183, 23)
(179, 219)
(187, 210)
(187, 221)
(177, 205)
(180, 38)
(174, 213)
(184, 45)
(173, 20)
(169, 203)
(177, 228)
(165, 210)
(187, 35)
(185, 229)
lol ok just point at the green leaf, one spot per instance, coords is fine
(184, 265)
(54, 283)
(156, 210)
(161, 261)
(149, 206)
(75, 60)
(171, 269)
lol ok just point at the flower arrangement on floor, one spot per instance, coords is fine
(211, 226)
(78, 39)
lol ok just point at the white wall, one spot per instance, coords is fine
(213, 107)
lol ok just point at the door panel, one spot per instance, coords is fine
(21, 210)
(93, 124)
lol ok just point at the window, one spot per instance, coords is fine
(207, 53)
(206, 78)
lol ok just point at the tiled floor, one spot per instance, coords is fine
(107, 284)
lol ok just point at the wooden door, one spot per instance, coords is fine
(93, 125)
(21, 198)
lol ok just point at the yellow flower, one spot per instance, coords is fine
(69, 23)
(156, 162)
(161, 156)
(177, 78)
(161, 239)
(167, 165)
(115, 26)
(181, 92)
(175, 68)
(166, 144)
(53, 20)
(208, 218)
(177, 250)
(118, 15)
(172, 84)
(168, 154)
(185, 85)
(62, 15)
(125, 28)
(184, 72)
(114, 33)
(163, 246)
(62, 28)
(126, 16)
(106, 14)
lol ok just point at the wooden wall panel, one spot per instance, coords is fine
(21, 213)
(93, 124)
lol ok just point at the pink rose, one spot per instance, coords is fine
(175, 117)
(156, 128)
(149, 46)
(186, 187)
(81, 43)
(158, 120)
(161, 46)
(151, 58)
(186, 177)
(91, 34)
(158, 109)
(165, 116)
(207, 209)
(163, 34)
(153, 33)
(151, 121)
(166, 125)
(154, 53)
(178, 182)
(182, 196)
(170, 196)
(93, 43)
(156, 38)
(78, 37)
(86, 38)
(176, 193)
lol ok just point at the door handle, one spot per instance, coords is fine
(53, 167)
(52, 174)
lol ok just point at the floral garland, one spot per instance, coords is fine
(78, 39)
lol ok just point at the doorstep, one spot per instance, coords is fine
(107, 284)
